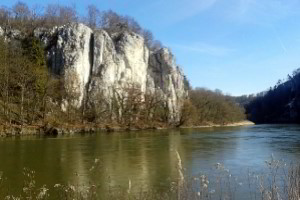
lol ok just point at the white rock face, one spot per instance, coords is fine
(119, 62)
(103, 63)
(71, 57)
(165, 75)
(1, 32)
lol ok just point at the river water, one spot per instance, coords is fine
(146, 158)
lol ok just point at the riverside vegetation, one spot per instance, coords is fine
(32, 97)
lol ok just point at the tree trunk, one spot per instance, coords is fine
(22, 104)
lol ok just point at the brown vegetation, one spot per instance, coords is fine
(206, 107)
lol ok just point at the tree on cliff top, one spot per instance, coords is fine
(22, 18)
(93, 17)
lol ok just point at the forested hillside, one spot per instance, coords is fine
(280, 104)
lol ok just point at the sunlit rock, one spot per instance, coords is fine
(166, 76)
(1, 32)
(71, 56)
(95, 61)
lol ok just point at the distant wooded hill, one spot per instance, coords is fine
(280, 104)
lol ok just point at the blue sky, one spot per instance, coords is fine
(238, 46)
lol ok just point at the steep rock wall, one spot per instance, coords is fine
(166, 76)
(71, 57)
(118, 61)
(1, 32)
(95, 61)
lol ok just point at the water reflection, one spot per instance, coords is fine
(146, 158)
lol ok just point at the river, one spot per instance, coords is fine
(146, 158)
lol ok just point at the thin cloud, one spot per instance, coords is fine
(244, 6)
(262, 11)
(173, 11)
(279, 40)
(208, 49)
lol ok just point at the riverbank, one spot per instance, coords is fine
(68, 129)
(48, 129)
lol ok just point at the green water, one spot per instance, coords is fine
(146, 158)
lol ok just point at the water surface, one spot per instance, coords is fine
(147, 158)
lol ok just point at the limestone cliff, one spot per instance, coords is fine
(92, 61)
(1, 32)
(70, 56)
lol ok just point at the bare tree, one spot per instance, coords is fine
(22, 81)
(156, 45)
(36, 18)
(21, 11)
(133, 104)
(57, 15)
(51, 15)
(93, 16)
(149, 40)
(71, 93)
(112, 22)
(148, 37)
(132, 24)
(5, 18)
(127, 103)
(67, 14)
(187, 113)
(4, 76)
(99, 108)
(152, 102)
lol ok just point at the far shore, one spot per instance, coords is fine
(53, 130)
(235, 124)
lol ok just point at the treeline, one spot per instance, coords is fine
(206, 107)
(22, 18)
(280, 104)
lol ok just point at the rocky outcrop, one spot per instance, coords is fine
(166, 76)
(10, 34)
(70, 56)
(118, 61)
(93, 61)
(1, 32)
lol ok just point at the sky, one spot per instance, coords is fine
(237, 46)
